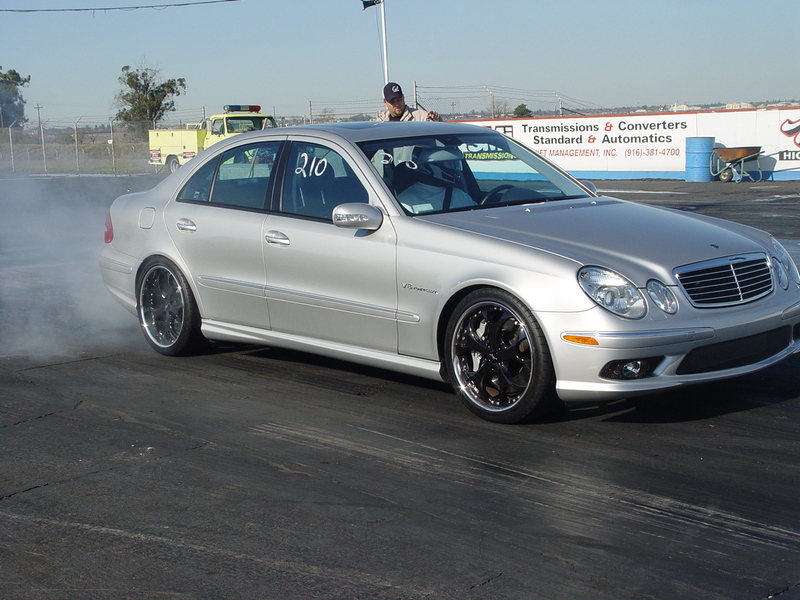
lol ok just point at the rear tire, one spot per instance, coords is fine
(497, 358)
(173, 163)
(167, 310)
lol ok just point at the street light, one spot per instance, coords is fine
(382, 3)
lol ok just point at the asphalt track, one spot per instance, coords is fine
(255, 473)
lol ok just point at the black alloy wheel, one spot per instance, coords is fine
(497, 358)
(167, 310)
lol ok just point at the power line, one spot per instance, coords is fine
(109, 8)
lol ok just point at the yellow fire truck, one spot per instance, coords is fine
(173, 147)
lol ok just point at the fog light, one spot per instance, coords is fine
(635, 368)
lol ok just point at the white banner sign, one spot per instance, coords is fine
(640, 146)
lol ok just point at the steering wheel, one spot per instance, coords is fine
(493, 191)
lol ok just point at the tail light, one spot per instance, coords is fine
(109, 229)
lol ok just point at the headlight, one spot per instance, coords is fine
(786, 260)
(780, 273)
(662, 297)
(613, 292)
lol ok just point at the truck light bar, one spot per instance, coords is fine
(241, 108)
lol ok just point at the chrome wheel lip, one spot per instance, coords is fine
(162, 306)
(512, 361)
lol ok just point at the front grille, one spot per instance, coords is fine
(726, 281)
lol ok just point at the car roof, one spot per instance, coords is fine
(363, 131)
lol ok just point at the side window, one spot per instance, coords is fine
(239, 178)
(217, 127)
(198, 188)
(317, 180)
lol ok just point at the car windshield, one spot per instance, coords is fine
(244, 124)
(443, 173)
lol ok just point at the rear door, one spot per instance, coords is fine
(217, 226)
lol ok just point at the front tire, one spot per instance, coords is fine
(497, 358)
(167, 310)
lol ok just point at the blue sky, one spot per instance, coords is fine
(284, 53)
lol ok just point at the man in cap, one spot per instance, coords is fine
(396, 109)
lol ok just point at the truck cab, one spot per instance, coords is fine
(236, 120)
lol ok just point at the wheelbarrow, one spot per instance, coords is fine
(728, 163)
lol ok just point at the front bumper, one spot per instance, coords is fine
(727, 344)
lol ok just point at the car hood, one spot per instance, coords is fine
(638, 240)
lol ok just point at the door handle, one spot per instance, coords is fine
(276, 238)
(186, 225)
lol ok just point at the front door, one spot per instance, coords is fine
(325, 282)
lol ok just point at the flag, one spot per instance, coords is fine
(368, 3)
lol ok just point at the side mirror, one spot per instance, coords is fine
(589, 185)
(357, 215)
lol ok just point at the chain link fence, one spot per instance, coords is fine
(87, 146)
(461, 103)
(493, 102)
(341, 111)
(98, 149)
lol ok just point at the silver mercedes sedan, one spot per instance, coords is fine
(451, 252)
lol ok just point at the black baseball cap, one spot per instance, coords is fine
(392, 91)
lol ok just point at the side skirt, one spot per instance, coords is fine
(428, 369)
